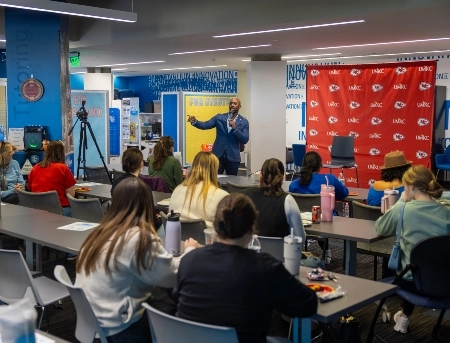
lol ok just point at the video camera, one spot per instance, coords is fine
(82, 114)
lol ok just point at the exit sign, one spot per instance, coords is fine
(74, 61)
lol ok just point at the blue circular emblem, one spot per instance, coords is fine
(34, 159)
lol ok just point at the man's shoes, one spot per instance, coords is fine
(401, 323)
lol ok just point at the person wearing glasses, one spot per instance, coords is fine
(10, 175)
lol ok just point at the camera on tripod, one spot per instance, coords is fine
(82, 114)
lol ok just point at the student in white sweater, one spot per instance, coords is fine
(198, 196)
(122, 263)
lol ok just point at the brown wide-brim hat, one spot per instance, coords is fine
(395, 159)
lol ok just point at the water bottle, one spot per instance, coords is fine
(255, 244)
(341, 178)
(173, 234)
(346, 210)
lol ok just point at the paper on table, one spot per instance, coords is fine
(306, 216)
(78, 226)
(40, 338)
(87, 184)
(221, 175)
(164, 202)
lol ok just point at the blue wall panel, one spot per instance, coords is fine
(170, 119)
(77, 82)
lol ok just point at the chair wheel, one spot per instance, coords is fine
(386, 316)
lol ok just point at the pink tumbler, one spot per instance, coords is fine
(327, 201)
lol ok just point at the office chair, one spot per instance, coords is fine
(298, 151)
(442, 161)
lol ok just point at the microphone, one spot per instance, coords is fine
(253, 173)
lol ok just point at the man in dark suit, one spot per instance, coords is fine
(231, 129)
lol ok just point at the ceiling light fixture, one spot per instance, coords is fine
(126, 64)
(287, 57)
(71, 9)
(383, 43)
(184, 68)
(119, 69)
(79, 72)
(236, 48)
(290, 28)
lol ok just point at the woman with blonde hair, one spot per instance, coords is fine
(10, 175)
(197, 197)
(163, 164)
(52, 174)
(122, 263)
(423, 217)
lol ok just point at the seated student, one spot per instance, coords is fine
(164, 165)
(132, 164)
(52, 174)
(122, 263)
(229, 285)
(197, 197)
(395, 165)
(310, 180)
(10, 175)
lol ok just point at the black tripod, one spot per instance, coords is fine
(82, 116)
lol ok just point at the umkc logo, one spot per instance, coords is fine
(373, 166)
(422, 122)
(399, 105)
(374, 151)
(371, 182)
(353, 134)
(333, 104)
(398, 137)
(332, 120)
(377, 87)
(375, 121)
(332, 133)
(313, 118)
(334, 88)
(376, 104)
(315, 72)
(314, 87)
(400, 86)
(398, 121)
(426, 68)
(424, 104)
(334, 72)
(353, 120)
(400, 70)
(354, 104)
(313, 132)
(375, 135)
(313, 103)
(378, 71)
(354, 88)
(423, 86)
(355, 72)
(421, 154)
(422, 137)
(351, 179)
(313, 146)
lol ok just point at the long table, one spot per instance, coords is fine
(360, 292)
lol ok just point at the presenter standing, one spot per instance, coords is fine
(231, 129)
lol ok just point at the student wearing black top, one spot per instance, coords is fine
(229, 285)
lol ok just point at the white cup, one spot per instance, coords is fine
(210, 236)
(292, 254)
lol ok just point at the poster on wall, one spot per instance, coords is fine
(385, 107)
(95, 126)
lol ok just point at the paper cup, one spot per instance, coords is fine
(209, 236)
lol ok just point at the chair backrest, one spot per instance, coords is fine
(97, 174)
(342, 149)
(86, 209)
(430, 272)
(273, 246)
(87, 323)
(46, 201)
(157, 184)
(170, 329)
(305, 202)
(298, 150)
(363, 211)
(16, 281)
(117, 173)
(289, 156)
(190, 228)
(447, 154)
(234, 188)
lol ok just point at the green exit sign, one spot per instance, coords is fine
(74, 61)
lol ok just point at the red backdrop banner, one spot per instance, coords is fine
(386, 107)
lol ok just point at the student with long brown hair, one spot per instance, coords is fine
(52, 174)
(10, 175)
(164, 165)
(197, 197)
(123, 262)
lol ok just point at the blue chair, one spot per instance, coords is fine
(442, 161)
(431, 275)
(298, 151)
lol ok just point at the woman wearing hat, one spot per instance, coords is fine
(395, 165)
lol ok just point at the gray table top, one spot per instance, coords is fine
(360, 292)
(56, 339)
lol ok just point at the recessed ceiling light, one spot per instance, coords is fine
(126, 64)
(184, 68)
(247, 60)
(290, 28)
(287, 57)
(223, 49)
(383, 43)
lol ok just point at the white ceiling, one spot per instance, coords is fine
(172, 26)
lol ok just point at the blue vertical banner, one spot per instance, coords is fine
(114, 132)
(170, 110)
(98, 119)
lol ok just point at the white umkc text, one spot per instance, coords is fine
(426, 68)
(333, 104)
(313, 146)
(313, 118)
(353, 120)
(376, 104)
(332, 133)
(424, 104)
(400, 86)
(422, 137)
(378, 71)
(314, 87)
(354, 88)
(373, 167)
(398, 121)
(351, 180)
(375, 135)
(334, 72)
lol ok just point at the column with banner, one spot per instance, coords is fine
(386, 107)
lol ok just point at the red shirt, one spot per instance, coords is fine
(56, 177)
